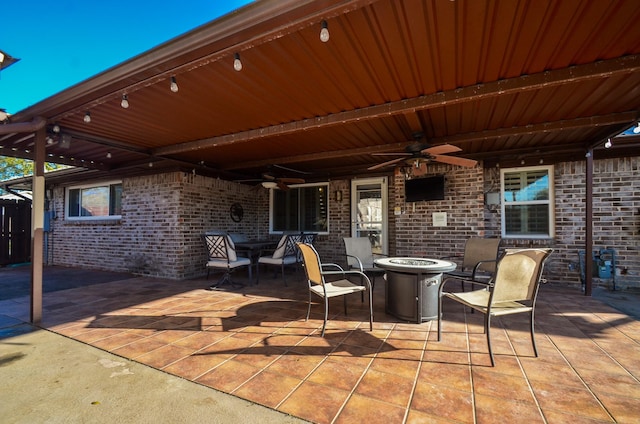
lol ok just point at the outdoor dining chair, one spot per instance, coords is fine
(285, 254)
(478, 262)
(513, 290)
(319, 286)
(360, 256)
(222, 256)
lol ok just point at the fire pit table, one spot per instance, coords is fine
(411, 287)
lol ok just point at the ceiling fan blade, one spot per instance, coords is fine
(287, 180)
(441, 149)
(282, 186)
(383, 164)
(291, 169)
(454, 160)
(391, 154)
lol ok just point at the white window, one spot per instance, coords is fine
(97, 201)
(527, 202)
(301, 208)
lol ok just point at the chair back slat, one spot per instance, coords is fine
(311, 261)
(219, 246)
(478, 249)
(518, 274)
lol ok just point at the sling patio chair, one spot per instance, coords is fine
(513, 290)
(318, 285)
(360, 256)
(478, 262)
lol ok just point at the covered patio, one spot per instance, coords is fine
(254, 343)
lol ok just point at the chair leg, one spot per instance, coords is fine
(370, 310)
(439, 315)
(283, 276)
(326, 314)
(487, 325)
(533, 337)
(309, 308)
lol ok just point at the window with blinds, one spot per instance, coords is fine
(527, 202)
(300, 209)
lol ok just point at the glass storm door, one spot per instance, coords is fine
(369, 211)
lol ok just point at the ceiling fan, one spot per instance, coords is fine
(272, 180)
(418, 152)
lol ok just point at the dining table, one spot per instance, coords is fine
(254, 247)
(411, 286)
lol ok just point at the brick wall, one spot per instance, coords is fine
(164, 216)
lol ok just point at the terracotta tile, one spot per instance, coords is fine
(338, 373)
(314, 402)
(601, 382)
(116, 341)
(363, 409)
(449, 375)
(228, 376)
(503, 386)
(259, 356)
(624, 409)
(298, 366)
(577, 400)
(138, 348)
(164, 356)
(442, 401)
(227, 347)
(383, 386)
(267, 388)
(401, 367)
(419, 417)
(491, 409)
(199, 340)
(193, 366)
(550, 372)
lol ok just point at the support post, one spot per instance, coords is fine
(588, 239)
(37, 225)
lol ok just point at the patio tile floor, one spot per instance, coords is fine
(254, 343)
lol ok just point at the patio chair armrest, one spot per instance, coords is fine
(357, 260)
(465, 280)
(477, 266)
(340, 270)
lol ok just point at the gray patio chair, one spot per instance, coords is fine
(513, 290)
(478, 262)
(316, 272)
(360, 256)
(222, 256)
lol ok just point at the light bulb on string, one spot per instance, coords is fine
(174, 85)
(237, 63)
(125, 101)
(324, 32)
(87, 117)
(608, 144)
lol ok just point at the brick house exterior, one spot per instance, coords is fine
(164, 216)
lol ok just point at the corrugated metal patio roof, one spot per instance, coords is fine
(508, 82)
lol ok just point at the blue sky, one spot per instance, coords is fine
(61, 43)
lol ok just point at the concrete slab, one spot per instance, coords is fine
(49, 378)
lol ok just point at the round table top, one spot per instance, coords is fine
(415, 265)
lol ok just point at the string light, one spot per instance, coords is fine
(237, 63)
(636, 129)
(174, 85)
(125, 101)
(608, 144)
(87, 117)
(324, 32)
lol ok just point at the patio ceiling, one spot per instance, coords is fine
(508, 82)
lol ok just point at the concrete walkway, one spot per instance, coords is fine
(50, 378)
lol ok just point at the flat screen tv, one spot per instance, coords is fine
(428, 188)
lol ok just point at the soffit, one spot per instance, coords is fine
(504, 81)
